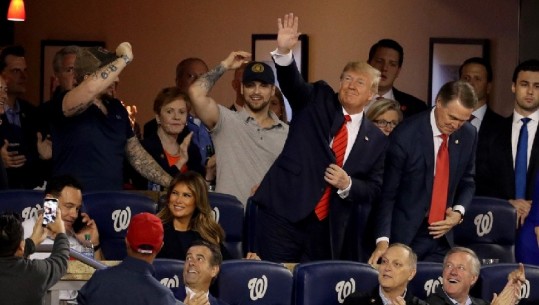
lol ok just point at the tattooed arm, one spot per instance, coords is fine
(205, 107)
(144, 164)
(82, 96)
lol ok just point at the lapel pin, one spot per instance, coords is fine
(457, 141)
(366, 138)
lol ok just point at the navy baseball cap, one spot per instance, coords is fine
(258, 71)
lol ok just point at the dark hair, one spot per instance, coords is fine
(480, 61)
(10, 50)
(528, 65)
(11, 234)
(216, 256)
(166, 96)
(387, 43)
(56, 184)
(460, 90)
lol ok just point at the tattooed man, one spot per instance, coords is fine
(91, 133)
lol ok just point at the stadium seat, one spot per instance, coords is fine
(229, 213)
(170, 273)
(489, 228)
(251, 282)
(330, 282)
(112, 212)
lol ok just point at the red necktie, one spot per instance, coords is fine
(340, 142)
(441, 184)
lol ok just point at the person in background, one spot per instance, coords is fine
(26, 281)
(386, 114)
(236, 85)
(387, 56)
(277, 105)
(3, 100)
(171, 146)
(131, 282)
(187, 217)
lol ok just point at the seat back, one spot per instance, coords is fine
(169, 272)
(112, 212)
(493, 278)
(489, 229)
(23, 202)
(427, 278)
(330, 282)
(228, 212)
(253, 282)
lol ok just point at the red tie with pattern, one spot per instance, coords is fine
(441, 184)
(340, 141)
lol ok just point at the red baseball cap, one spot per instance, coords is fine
(145, 233)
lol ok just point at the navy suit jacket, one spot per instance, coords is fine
(409, 176)
(495, 169)
(361, 298)
(213, 301)
(410, 104)
(295, 182)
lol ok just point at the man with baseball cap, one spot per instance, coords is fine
(247, 141)
(91, 132)
(132, 282)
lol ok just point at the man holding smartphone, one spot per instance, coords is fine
(68, 191)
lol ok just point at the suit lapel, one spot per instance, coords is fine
(426, 141)
(360, 146)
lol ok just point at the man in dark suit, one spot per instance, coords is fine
(387, 56)
(202, 265)
(496, 170)
(460, 273)
(397, 269)
(306, 199)
(410, 191)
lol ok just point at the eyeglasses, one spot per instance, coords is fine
(384, 123)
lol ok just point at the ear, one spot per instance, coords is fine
(412, 274)
(273, 90)
(20, 249)
(214, 271)
(157, 119)
(475, 277)
(489, 88)
(513, 87)
(398, 72)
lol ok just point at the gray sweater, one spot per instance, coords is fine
(25, 281)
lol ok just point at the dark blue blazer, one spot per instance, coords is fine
(409, 175)
(295, 181)
(410, 104)
(213, 301)
(495, 169)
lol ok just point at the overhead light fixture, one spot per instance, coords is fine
(16, 11)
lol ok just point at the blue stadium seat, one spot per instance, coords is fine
(250, 282)
(427, 278)
(112, 212)
(23, 202)
(229, 213)
(493, 278)
(330, 282)
(170, 273)
(489, 228)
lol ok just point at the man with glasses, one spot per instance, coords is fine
(460, 273)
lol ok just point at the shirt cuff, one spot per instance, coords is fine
(383, 238)
(282, 59)
(459, 208)
(344, 193)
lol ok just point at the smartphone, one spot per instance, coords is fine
(49, 210)
(78, 224)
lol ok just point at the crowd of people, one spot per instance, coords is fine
(365, 173)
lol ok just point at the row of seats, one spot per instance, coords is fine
(329, 282)
(488, 227)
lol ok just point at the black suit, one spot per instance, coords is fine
(34, 171)
(410, 104)
(409, 177)
(363, 298)
(495, 170)
(440, 298)
(295, 182)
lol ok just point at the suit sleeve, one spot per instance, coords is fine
(293, 86)
(466, 186)
(393, 172)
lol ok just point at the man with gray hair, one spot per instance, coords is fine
(460, 273)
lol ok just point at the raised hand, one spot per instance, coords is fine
(124, 49)
(287, 37)
(236, 59)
